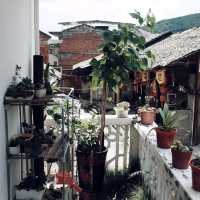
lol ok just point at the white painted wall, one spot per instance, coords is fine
(16, 47)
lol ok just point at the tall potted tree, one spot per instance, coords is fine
(123, 52)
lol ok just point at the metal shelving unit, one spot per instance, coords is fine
(25, 115)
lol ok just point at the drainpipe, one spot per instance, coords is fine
(36, 27)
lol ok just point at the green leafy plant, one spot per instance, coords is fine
(26, 83)
(178, 146)
(123, 51)
(169, 118)
(52, 77)
(22, 89)
(86, 132)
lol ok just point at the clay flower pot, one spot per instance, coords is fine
(195, 175)
(165, 138)
(147, 117)
(180, 159)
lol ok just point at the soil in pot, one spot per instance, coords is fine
(165, 138)
(91, 170)
(181, 160)
(195, 175)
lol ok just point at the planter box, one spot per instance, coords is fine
(29, 194)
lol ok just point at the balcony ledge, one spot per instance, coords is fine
(164, 182)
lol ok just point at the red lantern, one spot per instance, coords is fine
(161, 77)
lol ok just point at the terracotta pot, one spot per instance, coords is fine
(181, 160)
(147, 117)
(195, 175)
(91, 170)
(165, 138)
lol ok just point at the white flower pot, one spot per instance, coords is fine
(120, 112)
(40, 93)
(14, 150)
(29, 194)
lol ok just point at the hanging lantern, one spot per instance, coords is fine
(139, 77)
(145, 76)
(161, 77)
(153, 88)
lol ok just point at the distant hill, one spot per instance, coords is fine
(178, 24)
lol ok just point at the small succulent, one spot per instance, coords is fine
(146, 108)
(178, 146)
(125, 105)
(196, 161)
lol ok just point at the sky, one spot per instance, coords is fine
(54, 11)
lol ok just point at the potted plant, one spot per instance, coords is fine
(14, 148)
(181, 155)
(26, 84)
(40, 90)
(90, 160)
(195, 166)
(22, 89)
(31, 187)
(122, 109)
(11, 92)
(167, 130)
(147, 114)
(122, 53)
(28, 128)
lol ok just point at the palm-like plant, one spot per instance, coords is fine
(169, 118)
(123, 52)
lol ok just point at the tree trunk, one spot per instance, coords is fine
(103, 113)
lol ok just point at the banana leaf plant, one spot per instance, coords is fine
(123, 51)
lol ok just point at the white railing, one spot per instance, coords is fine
(117, 139)
(117, 136)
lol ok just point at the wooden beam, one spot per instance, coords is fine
(196, 122)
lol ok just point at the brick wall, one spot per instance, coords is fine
(44, 48)
(79, 43)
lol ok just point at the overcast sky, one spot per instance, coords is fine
(54, 11)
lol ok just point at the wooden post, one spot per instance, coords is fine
(196, 123)
(103, 112)
(91, 95)
(118, 94)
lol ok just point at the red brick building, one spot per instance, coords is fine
(44, 47)
(79, 42)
